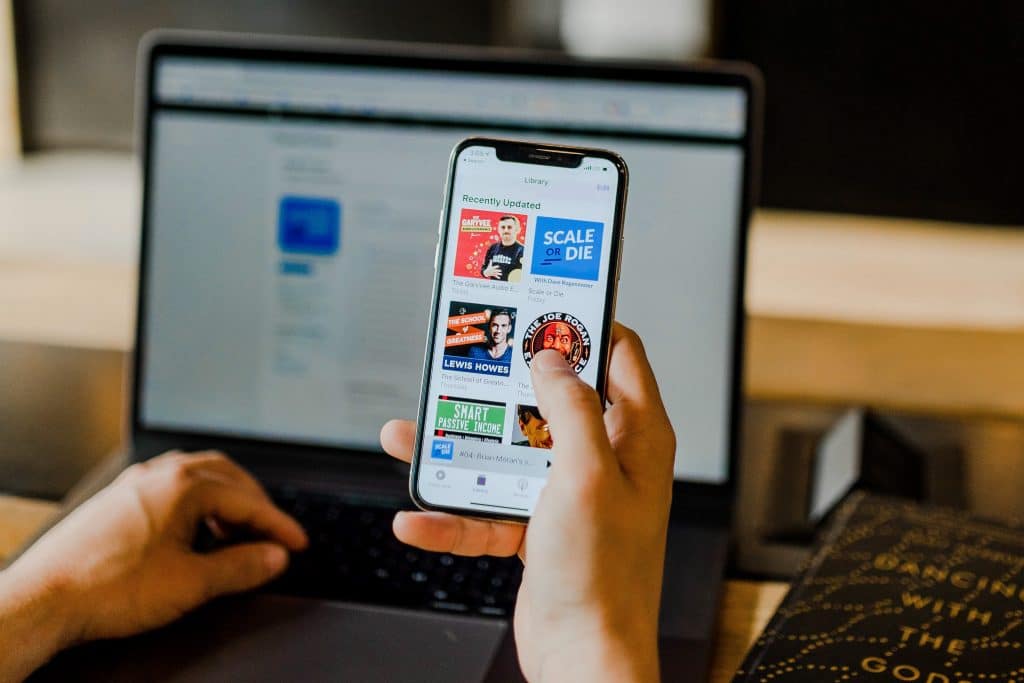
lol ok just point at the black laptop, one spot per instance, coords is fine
(290, 354)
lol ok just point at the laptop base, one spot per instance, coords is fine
(262, 637)
(278, 638)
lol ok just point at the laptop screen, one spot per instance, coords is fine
(292, 213)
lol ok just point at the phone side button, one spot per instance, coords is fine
(437, 251)
(618, 266)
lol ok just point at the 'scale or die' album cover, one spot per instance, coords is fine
(901, 592)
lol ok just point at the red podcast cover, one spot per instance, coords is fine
(491, 245)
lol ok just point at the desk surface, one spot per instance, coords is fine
(746, 605)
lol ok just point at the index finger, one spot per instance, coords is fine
(630, 376)
(638, 425)
(573, 411)
(243, 506)
(444, 533)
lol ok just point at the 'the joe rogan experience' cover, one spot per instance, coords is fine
(901, 592)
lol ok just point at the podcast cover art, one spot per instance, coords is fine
(562, 332)
(469, 419)
(530, 428)
(442, 449)
(565, 247)
(491, 245)
(479, 339)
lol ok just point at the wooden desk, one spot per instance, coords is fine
(746, 605)
(20, 518)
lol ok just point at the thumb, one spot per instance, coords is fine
(243, 567)
(573, 411)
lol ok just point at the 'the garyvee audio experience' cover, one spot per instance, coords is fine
(491, 245)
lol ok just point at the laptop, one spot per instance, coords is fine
(290, 360)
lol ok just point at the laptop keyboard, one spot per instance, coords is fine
(354, 556)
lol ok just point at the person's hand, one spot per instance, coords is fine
(123, 562)
(492, 270)
(594, 548)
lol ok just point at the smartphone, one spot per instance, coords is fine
(528, 256)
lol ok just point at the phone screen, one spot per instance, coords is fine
(528, 256)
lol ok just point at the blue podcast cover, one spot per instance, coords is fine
(442, 449)
(309, 225)
(564, 247)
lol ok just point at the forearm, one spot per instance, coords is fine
(32, 623)
(620, 654)
(611, 662)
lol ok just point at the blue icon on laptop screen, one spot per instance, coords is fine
(309, 225)
(442, 449)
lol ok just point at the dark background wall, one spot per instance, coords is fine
(904, 108)
(76, 60)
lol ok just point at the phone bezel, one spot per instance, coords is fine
(521, 149)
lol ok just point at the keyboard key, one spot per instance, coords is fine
(354, 556)
(449, 606)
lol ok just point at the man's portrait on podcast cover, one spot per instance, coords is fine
(561, 332)
(491, 245)
(530, 428)
(479, 339)
(498, 345)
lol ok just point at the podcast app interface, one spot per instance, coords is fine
(525, 268)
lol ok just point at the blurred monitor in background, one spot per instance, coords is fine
(905, 108)
(76, 60)
(908, 108)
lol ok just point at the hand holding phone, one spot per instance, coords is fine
(594, 549)
(528, 256)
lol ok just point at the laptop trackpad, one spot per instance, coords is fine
(275, 638)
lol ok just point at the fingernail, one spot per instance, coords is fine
(549, 360)
(275, 558)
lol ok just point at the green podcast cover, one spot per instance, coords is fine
(470, 418)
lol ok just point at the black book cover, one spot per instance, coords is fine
(898, 591)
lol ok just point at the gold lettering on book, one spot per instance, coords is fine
(1007, 590)
(904, 672)
(954, 646)
(951, 609)
(964, 580)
